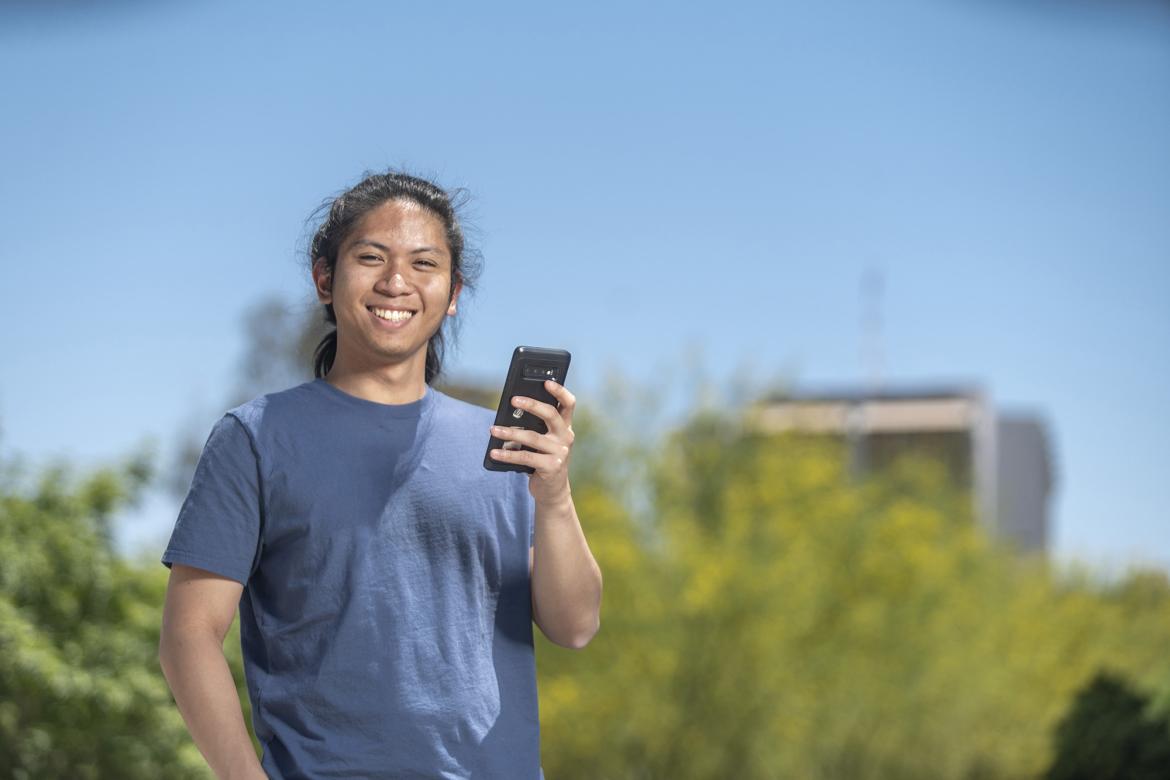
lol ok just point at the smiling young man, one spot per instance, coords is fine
(387, 583)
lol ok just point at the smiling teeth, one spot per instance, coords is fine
(393, 316)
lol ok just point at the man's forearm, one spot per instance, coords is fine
(201, 681)
(566, 580)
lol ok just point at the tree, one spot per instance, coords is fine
(1108, 734)
(81, 692)
(770, 617)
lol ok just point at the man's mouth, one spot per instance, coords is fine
(391, 315)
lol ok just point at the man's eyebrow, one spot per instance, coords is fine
(368, 242)
(384, 248)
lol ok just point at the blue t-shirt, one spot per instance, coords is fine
(386, 618)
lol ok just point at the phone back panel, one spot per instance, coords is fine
(527, 372)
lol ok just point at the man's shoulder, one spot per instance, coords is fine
(279, 402)
(466, 427)
(461, 411)
(461, 423)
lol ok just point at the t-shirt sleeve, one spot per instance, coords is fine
(218, 528)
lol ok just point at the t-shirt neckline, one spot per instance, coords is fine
(406, 410)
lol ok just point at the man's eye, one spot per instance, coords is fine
(426, 263)
(375, 258)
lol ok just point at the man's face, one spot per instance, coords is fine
(390, 287)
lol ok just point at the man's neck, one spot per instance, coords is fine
(386, 384)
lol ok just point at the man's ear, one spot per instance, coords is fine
(454, 297)
(323, 280)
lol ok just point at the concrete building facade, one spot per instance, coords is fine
(1004, 460)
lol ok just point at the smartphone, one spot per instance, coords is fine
(527, 372)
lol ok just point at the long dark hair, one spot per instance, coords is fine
(343, 212)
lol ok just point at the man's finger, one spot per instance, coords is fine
(567, 400)
(540, 461)
(539, 441)
(550, 414)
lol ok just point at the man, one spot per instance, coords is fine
(387, 582)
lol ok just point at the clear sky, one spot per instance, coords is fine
(650, 180)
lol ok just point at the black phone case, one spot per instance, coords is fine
(554, 364)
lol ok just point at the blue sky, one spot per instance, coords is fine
(651, 182)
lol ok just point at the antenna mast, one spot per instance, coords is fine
(872, 357)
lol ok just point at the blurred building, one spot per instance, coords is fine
(1003, 459)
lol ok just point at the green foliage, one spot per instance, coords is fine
(783, 620)
(1108, 734)
(81, 691)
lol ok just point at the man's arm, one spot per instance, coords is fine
(566, 580)
(199, 610)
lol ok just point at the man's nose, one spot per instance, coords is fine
(398, 283)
